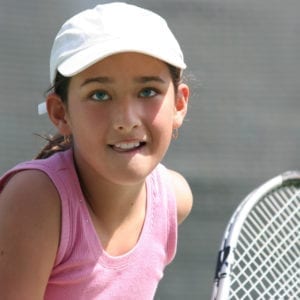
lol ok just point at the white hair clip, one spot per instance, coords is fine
(42, 108)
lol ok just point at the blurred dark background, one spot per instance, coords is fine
(243, 125)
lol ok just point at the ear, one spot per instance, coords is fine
(58, 115)
(181, 105)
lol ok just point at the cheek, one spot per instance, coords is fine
(87, 123)
(162, 118)
(167, 111)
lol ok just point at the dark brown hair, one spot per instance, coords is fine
(60, 87)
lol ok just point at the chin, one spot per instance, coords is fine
(132, 175)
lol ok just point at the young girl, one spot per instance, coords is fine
(95, 216)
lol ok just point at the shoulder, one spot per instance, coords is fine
(30, 188)
(29, 232)
(183, 194)
(30, 197)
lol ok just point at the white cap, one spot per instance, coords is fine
(108, 29)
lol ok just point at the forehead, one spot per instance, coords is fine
(128, 63)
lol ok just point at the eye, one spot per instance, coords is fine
(148, 93)
(100, 96)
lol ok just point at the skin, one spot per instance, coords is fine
(121, 113)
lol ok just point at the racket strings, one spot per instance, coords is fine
(267, 254)
(254, 272)
(264, 259)
(259, 255)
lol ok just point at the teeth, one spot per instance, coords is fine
(127, 146)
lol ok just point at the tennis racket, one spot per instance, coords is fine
(260, 251)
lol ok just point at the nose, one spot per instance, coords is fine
(126, 116)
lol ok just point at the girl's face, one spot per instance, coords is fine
(121, 113)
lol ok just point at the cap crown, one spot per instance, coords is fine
(107, 29)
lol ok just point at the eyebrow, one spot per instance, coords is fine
(97, 80)
(141, 79)
(145, 79)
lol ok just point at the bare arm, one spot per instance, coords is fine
(29, 235)
(184, 196)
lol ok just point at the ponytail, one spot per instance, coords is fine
(54, 144)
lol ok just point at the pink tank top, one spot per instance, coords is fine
(83, 270)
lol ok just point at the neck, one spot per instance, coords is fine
(110, 200)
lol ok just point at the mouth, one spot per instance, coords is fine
(127, 147)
